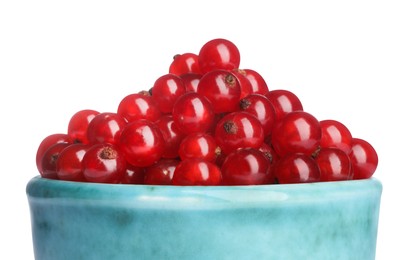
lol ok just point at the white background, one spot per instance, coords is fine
(346, 60)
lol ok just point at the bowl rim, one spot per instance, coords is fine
(190, 197)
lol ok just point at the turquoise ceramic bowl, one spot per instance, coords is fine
(335, 220)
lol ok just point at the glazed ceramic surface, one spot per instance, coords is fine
(335, 220)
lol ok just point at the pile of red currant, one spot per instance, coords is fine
(206, 122)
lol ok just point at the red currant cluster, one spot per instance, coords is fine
(206, 122)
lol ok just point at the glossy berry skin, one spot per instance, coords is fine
(334, 164)
(222, 89)
(139, 106)
(259, 106)
(297, 132)
(184, 63)
(296, 168)
(133, 175)
(364, 159)
(104, 163)
(69, 162)
(199, 145)
(105, 128)
(46, 143)
(142, 143)
(335, 134)
(193, 113)
(161, 173)
(196, 172)
(49, 160)
(246, 87)
(257, 82)
(284, 102)
(218, 54)
(166, 90)
(172, 135)
(191, 81)
(78, 124)
(246, 166)
(238, 130)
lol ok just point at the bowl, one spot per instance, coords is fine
(329, 220)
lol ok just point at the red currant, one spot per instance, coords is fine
(284, 101)
(139, 106)
(105, 128)
(296, 168)
(133, 175)
(172, 135)
(259, 106)
(69, 162)
(257, 82)
(161, 173)
(297, 132)
(199, 145)
(246, 166)
(184, 63)
(222, 89)
(193, 113)
(218, 54)
(364, 159)
(104, 163)
(142, 143)
(196, 171)
(334, 164)
(46, 143)
(78, 124)
(191, 81)
(335, 134)
(246, 87)
(49, 160)
(166, 90)
(238, 130)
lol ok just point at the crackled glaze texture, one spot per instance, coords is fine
(336, 220)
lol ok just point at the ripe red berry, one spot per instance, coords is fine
(193, 113)
(296, 168)
(297, 132)
(78, 124)
(238, 130)
(139, 106)
(161, 173)
(49, 160)
(364, 159)
(284, 102)
(105, 128)
(199, 145)
(46, 143)
(69, 162)
(196, 171)
(184, 63)
(133, 175)
(142, 143)
(166, 90)
(218, 54)
(104, 163)
(246, 166)
(246, 87)
(259, 106)
(335, 134)
(172, 135)
(191, 81)
(334, 164)
(257, 82)
(222, 89)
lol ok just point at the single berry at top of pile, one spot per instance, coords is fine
(206, 122)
